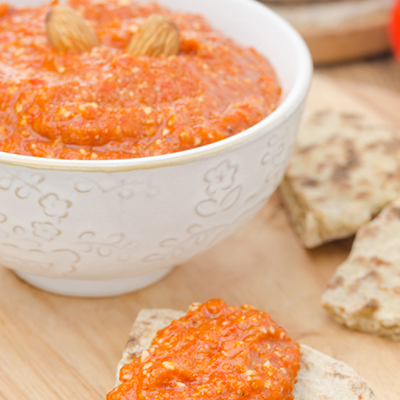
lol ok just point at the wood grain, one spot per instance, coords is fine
(383, 72)
(59, 348)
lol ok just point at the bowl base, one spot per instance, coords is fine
(93, 288)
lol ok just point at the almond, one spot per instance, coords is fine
(158, 35)
(67, 31)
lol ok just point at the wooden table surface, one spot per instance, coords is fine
(382, 71)
(59, 348)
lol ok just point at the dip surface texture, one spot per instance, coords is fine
(106, 104)
(215, 352)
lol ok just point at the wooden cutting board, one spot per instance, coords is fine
(339, 30)
(59, 348)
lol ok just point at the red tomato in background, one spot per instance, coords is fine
(394, 29)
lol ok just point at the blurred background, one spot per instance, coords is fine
(351, 39)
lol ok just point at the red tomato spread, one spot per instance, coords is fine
(215, 352)
(106, 104)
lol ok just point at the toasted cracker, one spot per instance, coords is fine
(364, 293)
(147, 324)
(320, 378)
(344, 171)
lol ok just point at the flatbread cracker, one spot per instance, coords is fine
(364, 293)
(344, 171)
(320, 378)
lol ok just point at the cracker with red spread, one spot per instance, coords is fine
(319, 377)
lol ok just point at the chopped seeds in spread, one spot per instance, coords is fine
(215, 352)
(107, 104)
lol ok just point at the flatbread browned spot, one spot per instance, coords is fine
(344, 171)
(368, 298)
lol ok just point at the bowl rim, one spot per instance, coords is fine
(295, 96)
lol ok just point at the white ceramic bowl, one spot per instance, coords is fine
(98, 228)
